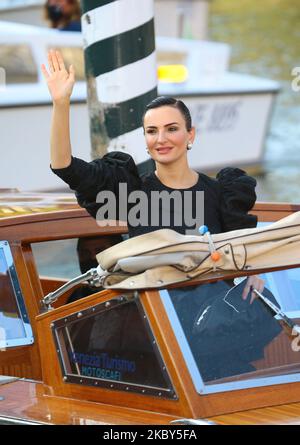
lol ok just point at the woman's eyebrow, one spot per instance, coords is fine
(167, 125)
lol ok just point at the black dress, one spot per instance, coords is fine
(227, 199)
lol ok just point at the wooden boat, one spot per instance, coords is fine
(152, 377)
(15, 203)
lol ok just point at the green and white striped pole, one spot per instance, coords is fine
(119, 50)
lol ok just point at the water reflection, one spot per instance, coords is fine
(264, 37)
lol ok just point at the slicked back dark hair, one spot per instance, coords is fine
(163, 101)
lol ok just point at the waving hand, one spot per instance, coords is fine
(60, 81)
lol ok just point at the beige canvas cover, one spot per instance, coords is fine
(164, 257)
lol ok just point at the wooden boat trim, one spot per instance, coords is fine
(28, 400)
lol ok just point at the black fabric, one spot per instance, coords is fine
(83, 291)
(227, 199)
(225, 332)
(212, 203)
(238, 196)
(87, 179)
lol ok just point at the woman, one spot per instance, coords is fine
(169, 134)
(63, 14)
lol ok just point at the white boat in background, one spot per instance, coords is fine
(188, 16)
(230, 111)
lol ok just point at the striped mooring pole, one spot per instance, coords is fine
(120, 64)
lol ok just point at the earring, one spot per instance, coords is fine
(189, 146)
(147, 150)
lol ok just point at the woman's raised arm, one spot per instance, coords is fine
(60, 83)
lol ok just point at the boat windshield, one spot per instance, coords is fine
(15, 329)
(229, 343)
(111, 345)
(18, 62)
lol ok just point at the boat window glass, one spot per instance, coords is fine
(18, 63)
(73, 55)
(229, 343)
(15, 329)
(111, 345)
(56, 258)
(59, 261)
(69, 258)
(171, 57)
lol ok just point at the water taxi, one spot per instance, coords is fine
(139, 356)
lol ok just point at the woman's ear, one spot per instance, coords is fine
(192, 133)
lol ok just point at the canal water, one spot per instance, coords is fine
(265, 41)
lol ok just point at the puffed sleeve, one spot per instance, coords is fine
(87, 179)
(237, 197)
